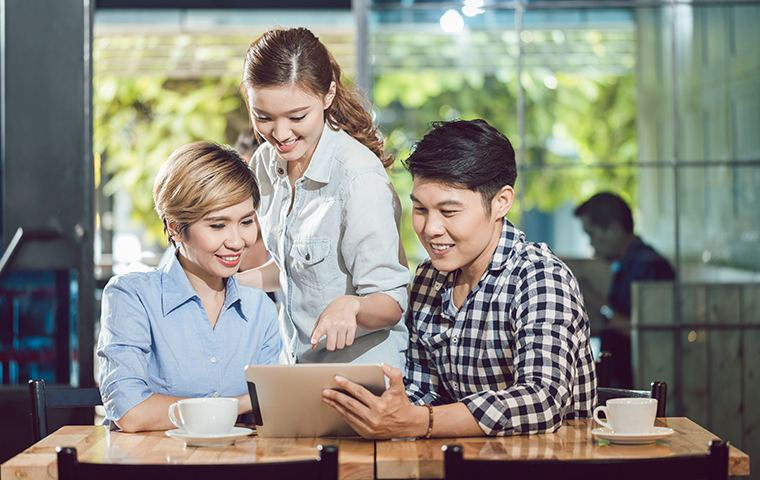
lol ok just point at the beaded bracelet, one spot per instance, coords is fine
(430, 421)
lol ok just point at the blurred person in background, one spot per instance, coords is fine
(247, 143)
(608, 221)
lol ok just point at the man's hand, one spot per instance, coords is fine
(338, 323)
(389, 416)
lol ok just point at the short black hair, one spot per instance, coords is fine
(605, 208)
(465, 153)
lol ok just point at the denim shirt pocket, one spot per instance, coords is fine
(310, 263)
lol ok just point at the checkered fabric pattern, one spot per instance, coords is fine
(517, 352)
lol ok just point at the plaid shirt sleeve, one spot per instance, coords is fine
(547, 315)
(421, 379)
(419, 366)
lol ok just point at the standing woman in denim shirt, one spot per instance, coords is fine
(329, 214)
(187, 329)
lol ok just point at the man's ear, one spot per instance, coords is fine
(502, 201)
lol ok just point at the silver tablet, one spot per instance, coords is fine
(287, 399)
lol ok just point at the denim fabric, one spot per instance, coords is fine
(341, 238)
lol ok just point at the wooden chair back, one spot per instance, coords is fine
(712, 466)
(323, 467)
(42, 399)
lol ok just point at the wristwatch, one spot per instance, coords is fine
(607, 312)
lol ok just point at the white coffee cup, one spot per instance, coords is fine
(204, 416)
(628, 415)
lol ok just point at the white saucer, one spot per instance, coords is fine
(209, 440)
(632, 438)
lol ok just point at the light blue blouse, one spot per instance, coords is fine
(155, 337)
(341, 238)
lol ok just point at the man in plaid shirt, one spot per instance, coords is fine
(499, 337)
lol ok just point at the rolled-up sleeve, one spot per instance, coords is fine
(371, 244)
(271, 341)
(124, 349)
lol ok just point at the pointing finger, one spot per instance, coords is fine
(316, 334)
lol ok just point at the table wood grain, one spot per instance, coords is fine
(574, 441)
(358, 458)
(98, 445)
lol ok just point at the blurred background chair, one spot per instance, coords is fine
(603, 369)
(324, 467)
(42, 399)
(712, 466)
(659, 391)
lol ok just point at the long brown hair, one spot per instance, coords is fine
(296, 57)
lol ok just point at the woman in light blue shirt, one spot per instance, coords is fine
(188, 329)
(329, 214)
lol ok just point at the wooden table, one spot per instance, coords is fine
(358, 458)
(424, 459)
(98, 445)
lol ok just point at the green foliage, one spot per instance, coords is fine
(402, 182)
(140, 121)
(595, 116)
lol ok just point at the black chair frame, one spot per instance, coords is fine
(42, 399)
(659, 391)
(323, 467)
(713, 466)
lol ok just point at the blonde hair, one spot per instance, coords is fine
(200, 178)
(296, 57)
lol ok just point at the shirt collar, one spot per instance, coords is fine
(176, 289)
(320, 170)
(510, 236)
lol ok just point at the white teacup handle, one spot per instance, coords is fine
(178, 423)
(600, 408)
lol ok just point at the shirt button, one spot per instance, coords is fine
(308, 257)
(280, 171)
(216, 394)
(454, 340)
(105, 399)
(456, 386)
(213, 359)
